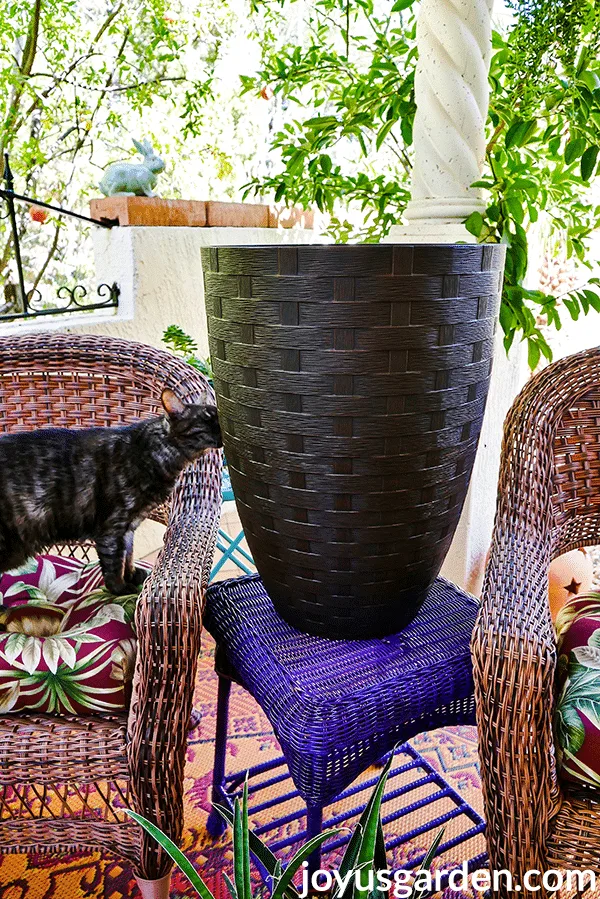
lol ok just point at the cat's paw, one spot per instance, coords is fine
(117, 588)
(137, 576)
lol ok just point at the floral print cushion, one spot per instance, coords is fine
(578, 710)
(67, 646)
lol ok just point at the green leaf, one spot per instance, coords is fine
(593, 299)
(379, 861)
(325, 163)
(230, 886)
(399, 5)
(574, 149)
(588, 162)
(512, 133)
(352, 855)
(428, 860)
(533, 354)
(383, 133)
(571, 731)
(582, 61)
(241, 850)
(474, 223)
(371, 823)
(262, 852)
(175, 853)
(573, 307)
(295, 862)
(519, 132)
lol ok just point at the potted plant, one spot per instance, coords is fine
(364, 854)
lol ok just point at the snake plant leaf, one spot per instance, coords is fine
(370, 820)
(379, 862)
(175, 853)
(246, 841)
(427, 862)
(258, 849)
(241, 850)
(230, 886)
(301, 855)
(365, 833)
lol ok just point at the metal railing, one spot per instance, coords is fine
(21, 303)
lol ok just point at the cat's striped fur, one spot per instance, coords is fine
(98, 484)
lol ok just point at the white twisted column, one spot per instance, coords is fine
(454, 38)
(451, 92)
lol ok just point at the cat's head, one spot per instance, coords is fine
(194, 428)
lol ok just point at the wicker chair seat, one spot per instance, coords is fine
(336, 706)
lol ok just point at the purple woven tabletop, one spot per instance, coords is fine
(337, 706)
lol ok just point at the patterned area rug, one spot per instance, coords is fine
(452, 751)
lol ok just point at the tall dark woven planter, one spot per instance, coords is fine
(351, 384)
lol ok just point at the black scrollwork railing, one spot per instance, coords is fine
(20, 302)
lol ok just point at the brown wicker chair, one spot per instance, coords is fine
(64, 781)
(548, 504)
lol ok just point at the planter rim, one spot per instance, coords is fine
(352, 246)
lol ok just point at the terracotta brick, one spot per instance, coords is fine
(155, 211)
(236, 215)
(284, 217)
(150, 211)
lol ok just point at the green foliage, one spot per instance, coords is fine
(348, 75)
(542, 153)
(355, 73)
(184, 346)
(78, 79)
(365, 852)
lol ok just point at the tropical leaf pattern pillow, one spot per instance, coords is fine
(67, 646)
(577, 721)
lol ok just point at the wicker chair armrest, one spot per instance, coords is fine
(169, 625)
(515, 588)
(514, 666)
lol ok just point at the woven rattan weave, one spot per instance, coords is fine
(65, 781)
(337, 706)
(548, 503)
(351, 384)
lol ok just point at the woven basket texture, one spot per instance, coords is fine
(351, 384)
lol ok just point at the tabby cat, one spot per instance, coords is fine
(60, 485)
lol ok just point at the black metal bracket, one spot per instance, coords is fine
(30, 300)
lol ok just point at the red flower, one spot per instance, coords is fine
(37, 214)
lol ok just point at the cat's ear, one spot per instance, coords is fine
(171, 402)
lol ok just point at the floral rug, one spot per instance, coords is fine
(453, 752)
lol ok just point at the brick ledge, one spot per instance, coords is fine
(157, 212)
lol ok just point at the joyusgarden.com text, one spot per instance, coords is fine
(402, 882)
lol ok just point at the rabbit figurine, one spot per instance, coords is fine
(127, 179)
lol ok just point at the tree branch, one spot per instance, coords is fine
(24, 71)
(58, 80)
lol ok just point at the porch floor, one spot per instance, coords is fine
(453, 752)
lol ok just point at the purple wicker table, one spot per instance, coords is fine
(338, 706)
